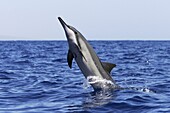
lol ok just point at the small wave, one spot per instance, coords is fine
(141, 89)
(22, 62)
(6, 76)
(4, 79)
(58, 60)
(6, 72)
(145, 90)
(46, 84)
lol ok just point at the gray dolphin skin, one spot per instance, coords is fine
(87, 60)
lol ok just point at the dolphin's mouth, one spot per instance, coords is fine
(62, 22)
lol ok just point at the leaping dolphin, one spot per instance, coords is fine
(94, 70)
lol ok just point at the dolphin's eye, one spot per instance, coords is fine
(75, 32)
(68, 26)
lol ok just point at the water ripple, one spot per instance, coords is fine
(35, 77)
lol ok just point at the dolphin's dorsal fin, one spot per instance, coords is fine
(108, 66)
(70, 58)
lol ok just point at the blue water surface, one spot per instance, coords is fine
(35, 78)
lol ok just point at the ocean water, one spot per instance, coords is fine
(35, 78)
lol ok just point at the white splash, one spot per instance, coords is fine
(103, 83)
(95, 79)
(147, 90)
(86, 84)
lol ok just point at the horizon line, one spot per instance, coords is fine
(90, 40)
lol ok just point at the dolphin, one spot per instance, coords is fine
(96, 72)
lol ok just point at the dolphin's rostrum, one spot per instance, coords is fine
(97, 72)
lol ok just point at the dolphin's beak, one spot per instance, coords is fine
(66, 28)
(62, 22)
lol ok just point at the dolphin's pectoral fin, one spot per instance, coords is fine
(108, 66)
(70, 58)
